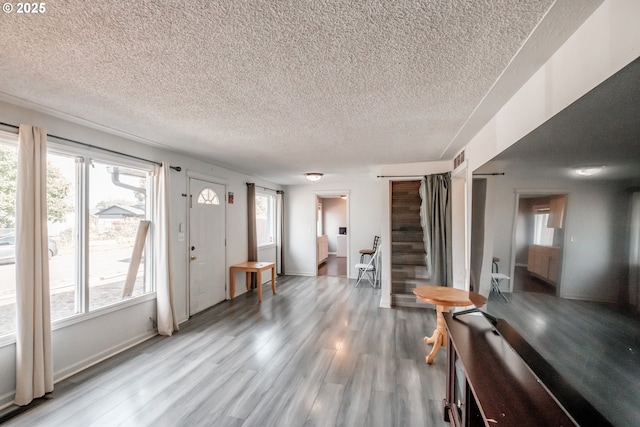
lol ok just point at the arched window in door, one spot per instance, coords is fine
(208, 197)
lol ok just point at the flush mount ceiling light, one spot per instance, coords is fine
(588, 170)
(313, 176)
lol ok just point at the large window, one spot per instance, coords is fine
(265, 219)
(99, 245)
(117, 205)
(62, 224)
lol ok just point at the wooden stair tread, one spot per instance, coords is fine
(408, 257)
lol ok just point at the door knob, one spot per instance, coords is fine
(193, 257)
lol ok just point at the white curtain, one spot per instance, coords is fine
(167, 323)
(34, 364)
(634, 252)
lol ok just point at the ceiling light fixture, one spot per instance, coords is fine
(313, 176)
(588, 170)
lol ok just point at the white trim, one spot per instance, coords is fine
(98, 312)
(102, 356)
(460, 170)
(9, 137)
(61, 147)
(209, 178)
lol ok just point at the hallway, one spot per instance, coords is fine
(334, 267)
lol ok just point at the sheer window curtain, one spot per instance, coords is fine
(167, 322)
(34, 363)
(252, 239)
(435, 217)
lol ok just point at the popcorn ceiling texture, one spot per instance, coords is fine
(322, 85)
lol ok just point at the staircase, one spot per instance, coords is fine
(408, 257)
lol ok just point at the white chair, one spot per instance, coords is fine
(496, 277)
(495, 283)
(369, 270)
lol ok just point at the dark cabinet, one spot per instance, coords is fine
(488, 384)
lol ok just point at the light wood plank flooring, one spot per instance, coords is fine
(319, 353)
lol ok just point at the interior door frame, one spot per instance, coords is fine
(460, 225)
(514, 230)
(331, 194)
(213, 180)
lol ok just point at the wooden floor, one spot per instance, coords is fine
(319, 353)
(333, 266)
(523, 281)
(593, 346)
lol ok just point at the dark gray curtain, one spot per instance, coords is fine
(280, 230)
(252, 243)
(435, 216)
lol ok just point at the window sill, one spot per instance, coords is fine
(81, 317)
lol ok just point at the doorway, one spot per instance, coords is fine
(538, 243)
(207, 285)
(332, 228)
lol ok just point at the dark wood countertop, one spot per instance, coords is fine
(505, 389)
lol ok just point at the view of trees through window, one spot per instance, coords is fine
(117, 201)
(265, 219)
(8, 175)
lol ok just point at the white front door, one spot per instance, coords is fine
(206, 245)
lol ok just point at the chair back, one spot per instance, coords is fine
(376, 239)
(376, 254)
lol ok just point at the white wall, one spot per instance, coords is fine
(77, 345)
(606, 42)
(363, 208)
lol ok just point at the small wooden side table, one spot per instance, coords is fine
(252, 267)
(443, 298)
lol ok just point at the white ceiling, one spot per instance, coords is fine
(276, 88)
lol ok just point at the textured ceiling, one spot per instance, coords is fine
(279, 88)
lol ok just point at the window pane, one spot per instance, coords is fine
(543, 235)
(117, 204)
(208, 197)
(8, 171)
(63, 232)
(265, 219)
